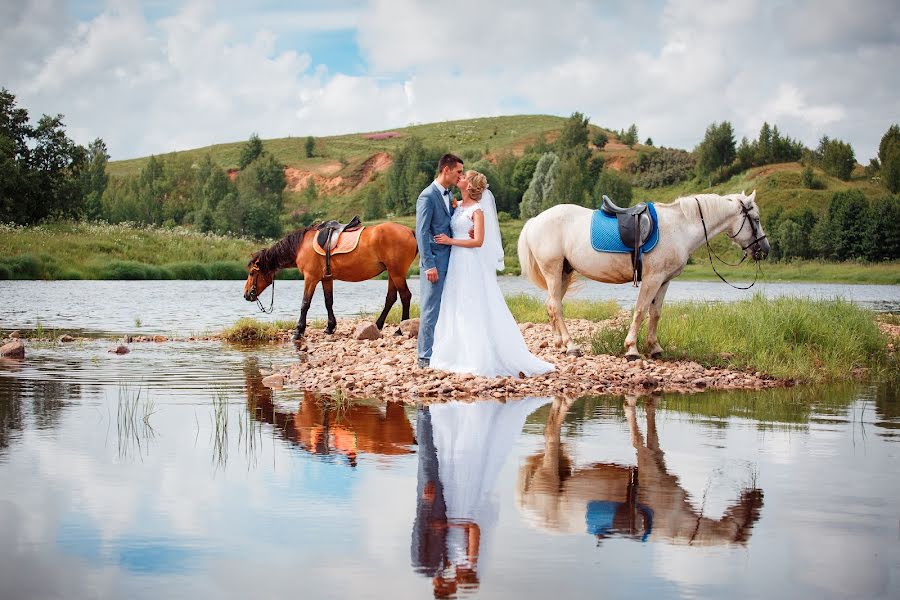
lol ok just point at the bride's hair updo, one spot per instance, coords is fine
(477, 184)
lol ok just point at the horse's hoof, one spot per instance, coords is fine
(330, 331)
(656, 355)
(573, 352)
(398, 333)
(632, 357)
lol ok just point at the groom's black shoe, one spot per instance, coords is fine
(424, 363)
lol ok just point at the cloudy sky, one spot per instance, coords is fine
(162, 75)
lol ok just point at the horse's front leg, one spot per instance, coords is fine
(656, 350)
(389, 301)
(309, 288)
(649, 288)
(328, 289)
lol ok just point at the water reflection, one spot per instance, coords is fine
(327, 426)
(612, 500)
(38, 401)
(462, 449)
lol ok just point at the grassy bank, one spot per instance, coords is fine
(68, 250)
(808, 341)
(789, 338)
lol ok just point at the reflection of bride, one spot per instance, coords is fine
(475, 332)
(462, 448)
(605, 499)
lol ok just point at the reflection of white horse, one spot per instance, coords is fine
(643, 502)
(556, 244)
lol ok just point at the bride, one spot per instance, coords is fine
(475, 332)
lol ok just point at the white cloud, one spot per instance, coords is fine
(208, 74)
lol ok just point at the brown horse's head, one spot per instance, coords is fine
(258, 279)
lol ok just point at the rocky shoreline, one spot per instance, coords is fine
(359, 362)
(364, 364)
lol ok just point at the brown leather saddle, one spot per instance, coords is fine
(328, 234)
(635, 228)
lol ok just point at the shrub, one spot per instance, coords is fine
(188, 270)
(130, 270)
(810, 181)
(224, 269)
(616, 186)
(5, 272)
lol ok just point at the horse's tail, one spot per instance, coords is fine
(527, 262)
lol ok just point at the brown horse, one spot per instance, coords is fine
(386, 246)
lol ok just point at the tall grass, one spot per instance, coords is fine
(248, 330)
(792, 338)
(135, 408)
(219, 432)
(528, 309)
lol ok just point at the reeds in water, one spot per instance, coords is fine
(135, 408)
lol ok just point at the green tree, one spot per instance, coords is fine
(648, 142)
(574, 133)
(310, 146)
(764, 149)
(600, 139)
(523, 172)
(251, 151)
(15, 132)
(745, 155)
(836, 158)
(614, 185)
(413, 167)
(541, 186)
(373, 203)
(94, 179)
(889, 156)
(717, 148)
(574, 183)
(884, 229)
(630, 137)
(848, 224)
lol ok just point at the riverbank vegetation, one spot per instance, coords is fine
(789, 338)
(807, 341)
(818, 204)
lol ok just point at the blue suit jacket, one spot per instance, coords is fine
(432, 218)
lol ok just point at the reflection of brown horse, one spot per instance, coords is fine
(327, 429)
(618, 500)
(386, 246)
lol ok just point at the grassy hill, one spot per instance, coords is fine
(342, 168)
(494, 134)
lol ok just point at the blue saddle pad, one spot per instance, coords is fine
(600, 516)
(605, 233)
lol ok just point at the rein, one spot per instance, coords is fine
(710, 253)
(271, 302)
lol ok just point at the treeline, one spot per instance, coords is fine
(43, 173)
(853, 228)
(175, 190)
(44, 176)
(566, 170)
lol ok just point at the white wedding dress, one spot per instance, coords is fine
(472, 441)
(475, 332)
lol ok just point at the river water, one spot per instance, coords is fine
(172, 472)
(186, 307)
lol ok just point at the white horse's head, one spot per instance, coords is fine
(746, 230)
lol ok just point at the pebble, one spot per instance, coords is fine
(387, 367)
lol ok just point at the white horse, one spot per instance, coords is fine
(556, 244)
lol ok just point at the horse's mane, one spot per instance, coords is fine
(282, 252)
(714, 205)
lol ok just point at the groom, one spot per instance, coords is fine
(433, 211)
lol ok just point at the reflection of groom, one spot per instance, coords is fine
(433, 211)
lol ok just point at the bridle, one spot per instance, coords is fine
(747, 219)
(254, 271)
(757, 238)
